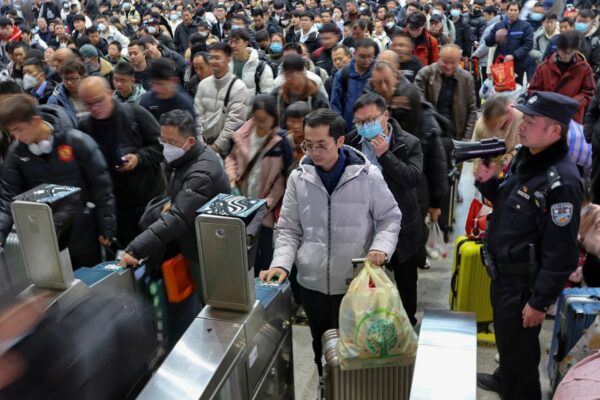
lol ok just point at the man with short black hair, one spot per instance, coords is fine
(6, 35)
(48, 150)
(220, 12)
(156, 51)
(96, 40)
(331, 187)
(34, 80)
(78, 28)
(246, 65)
(210, 100)
(308, 31)
(566, 72)
(126, 88)
(404, 45)
(197, 176)
(350, 81)
(165, 94)
(140, 66)
(184, 30)
(426, 48)
(329, 36)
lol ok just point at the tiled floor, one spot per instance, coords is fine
(433, 293)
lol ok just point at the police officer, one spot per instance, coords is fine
(532, 239)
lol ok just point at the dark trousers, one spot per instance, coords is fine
(406, 276)
(264, 253)
(519, 347)
(323, 312)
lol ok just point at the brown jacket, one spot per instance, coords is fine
(271, 180)
(464, 112)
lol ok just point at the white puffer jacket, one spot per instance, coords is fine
(321, 234)
(249, 71)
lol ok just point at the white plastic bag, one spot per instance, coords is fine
(435, 246)
(487, 91)
(374, 327)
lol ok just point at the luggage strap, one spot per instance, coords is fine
(513, 269)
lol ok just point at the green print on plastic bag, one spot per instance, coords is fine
(381, 336)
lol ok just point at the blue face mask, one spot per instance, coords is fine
(319, 25)
(276, 47)
(371, 130)
(582, 27)
(235, 27)
(536, 16)
(455, 12)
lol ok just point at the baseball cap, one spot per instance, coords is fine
(551, 105)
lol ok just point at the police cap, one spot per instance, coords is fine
(551, 105)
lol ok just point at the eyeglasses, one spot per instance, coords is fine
(93, 103)
(309, 148)
(360, 124)
(71, 80)
(169, 142)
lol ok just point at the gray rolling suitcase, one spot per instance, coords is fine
(381, 383)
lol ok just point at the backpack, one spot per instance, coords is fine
(260, 68)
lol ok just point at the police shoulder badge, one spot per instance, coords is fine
(561, 213)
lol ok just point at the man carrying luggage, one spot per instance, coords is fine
(321, 239)
(531, 245)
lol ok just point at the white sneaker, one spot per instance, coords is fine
(497, 358)
(427, 264)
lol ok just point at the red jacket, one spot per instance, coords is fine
(577, 82)
(426, 48)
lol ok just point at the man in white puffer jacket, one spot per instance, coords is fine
(336, 207)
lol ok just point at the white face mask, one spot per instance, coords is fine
(172, 153)
(390, 25)
(29, 81)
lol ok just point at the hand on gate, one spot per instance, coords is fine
(275, 272)
(128, 261)
(532, 317)
(104, 241)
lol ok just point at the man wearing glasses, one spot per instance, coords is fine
(336, 207)
(128, 138)
(399, 156)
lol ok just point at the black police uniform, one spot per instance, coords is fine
(532, 241)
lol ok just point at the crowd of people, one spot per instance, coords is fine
(154, 107)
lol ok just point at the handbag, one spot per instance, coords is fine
(213, 125)
(476, 224)
(503, 74)
(178, 280)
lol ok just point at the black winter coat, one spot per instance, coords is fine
(194, 179)
(75, 160)
(182, 36)
(463, 37)
(402, 167)
(477, 24)
(130, 131)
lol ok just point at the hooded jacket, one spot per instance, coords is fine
(194, 179)
(344, 95)
(265, 82)
(576, 82)
(541, 40)
(75, 160)
(321, 233)
(426, 47)
(402, 167)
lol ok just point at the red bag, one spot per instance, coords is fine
(476, 223)
(178, 280)
(503, 74)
